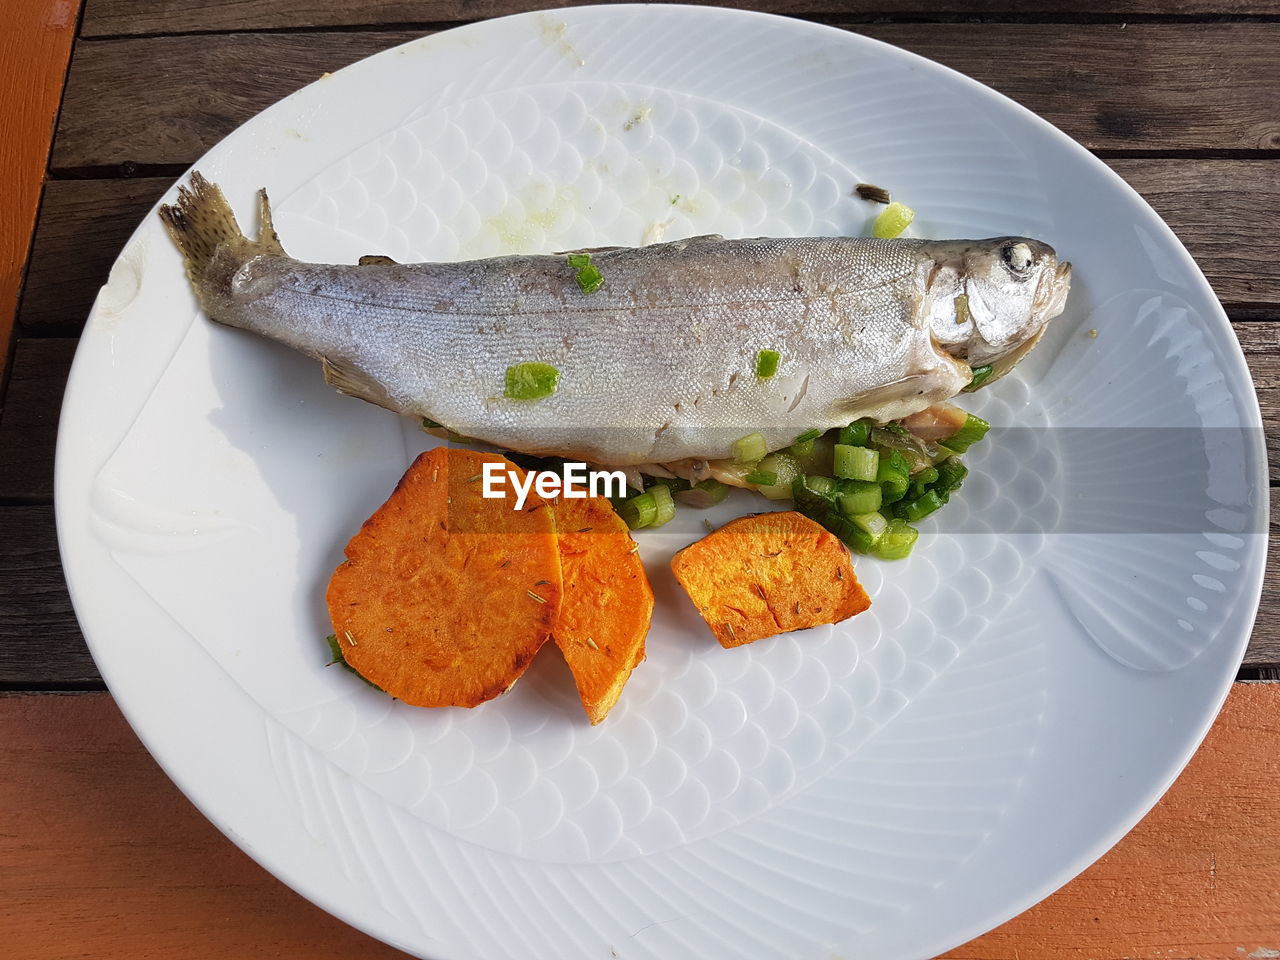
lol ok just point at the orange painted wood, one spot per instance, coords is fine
(102, 856)
(35, 42)
(1197, 879)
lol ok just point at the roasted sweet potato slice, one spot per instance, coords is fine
(767, 574)
(607, 602)
(445, 595)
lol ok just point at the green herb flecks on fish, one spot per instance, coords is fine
(655, 365)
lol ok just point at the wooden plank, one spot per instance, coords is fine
(137, 17)
(1197, 879)
(40, 642)
(102, 849)
(83, 224)
(1217, 208)
(1150, 86)
(104, 858)
(194, 91)
(29, 422)
(35, 42)
(1261, 345)
(1264, 644)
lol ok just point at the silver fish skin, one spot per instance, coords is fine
(658, 364)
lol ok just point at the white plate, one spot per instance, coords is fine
(1024, 688)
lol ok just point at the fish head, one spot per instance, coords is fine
(989, 301)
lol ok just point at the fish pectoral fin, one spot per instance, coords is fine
(347, 379)
(911, 394)
(374, 259)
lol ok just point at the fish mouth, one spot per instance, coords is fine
(1051, 298)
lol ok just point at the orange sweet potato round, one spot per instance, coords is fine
(766, 574)
(607, 603)
(445, 595)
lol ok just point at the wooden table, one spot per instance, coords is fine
(101, 856)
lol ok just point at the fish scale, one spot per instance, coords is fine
(657, 365)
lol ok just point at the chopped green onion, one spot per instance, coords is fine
(856, 434)
(813, 498)
(664, 506)
(980, 376)
(783, 464)
(872, 522)
(854, 536)
(335, 649)
(808, 488)
(894, 471)
(920, 507)
(951, 473)
(784, 469)
(429, 424)
(589, 276)
(922, 481)
(531, 381)
(893, 219)
(896, 542)
(808, 435)
(639, 511)
(802, 450)
(674, 484)
(767, 363)
(590, 279)
(815, 455)
(894, 488)
(763, 478)
(750, 448)
(974, 429)
(706, 493)
(858, 497)
(856, 463)
(893, 461)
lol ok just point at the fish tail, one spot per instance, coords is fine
(202, 225)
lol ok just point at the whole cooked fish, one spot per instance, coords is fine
(660, 363)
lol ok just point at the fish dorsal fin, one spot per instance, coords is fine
(349, 380)
(678, 244)
(373, 260)
(268, 239)
(565, 253)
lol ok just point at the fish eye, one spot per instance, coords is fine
(1017, 256)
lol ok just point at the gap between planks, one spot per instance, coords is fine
(107, 18)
